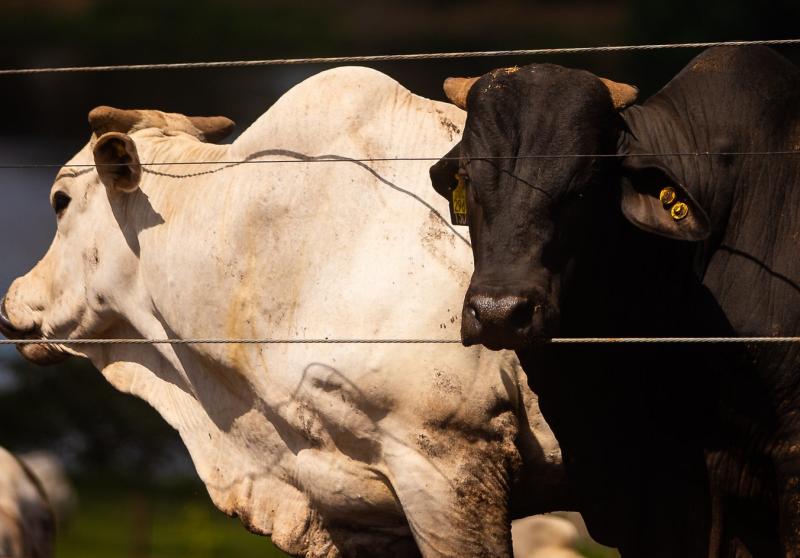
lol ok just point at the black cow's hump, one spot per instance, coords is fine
(759, 70)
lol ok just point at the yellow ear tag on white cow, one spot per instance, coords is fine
(458, 203)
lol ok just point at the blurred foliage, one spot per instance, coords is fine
(590, 549)
(120, 519)
(72, 410)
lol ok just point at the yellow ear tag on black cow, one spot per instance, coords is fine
(458, 203)
(667, 196)
(679, 211)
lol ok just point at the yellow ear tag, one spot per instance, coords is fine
(679, 211)
(667, 196)
(458, 203)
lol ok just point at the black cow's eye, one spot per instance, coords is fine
(60, 202)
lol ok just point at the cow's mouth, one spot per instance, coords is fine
(42, 354)
(8, 329)
(38, 353)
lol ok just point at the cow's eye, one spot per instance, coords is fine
(60, 202)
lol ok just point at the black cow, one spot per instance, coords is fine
(673, 450)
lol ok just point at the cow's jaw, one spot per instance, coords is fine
(38, 353)
(20, 320)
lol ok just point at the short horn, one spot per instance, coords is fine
(622, 94)
(457, 90)
(213, 128)
(109, 119)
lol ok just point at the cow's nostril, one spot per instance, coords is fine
(521, 315)
(9, 329)
(6, 326)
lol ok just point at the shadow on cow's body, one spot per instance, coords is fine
(675, 450)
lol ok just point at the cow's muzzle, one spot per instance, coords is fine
(503, 321)
(8, 329)
(38, 353)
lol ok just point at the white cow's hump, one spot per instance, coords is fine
(340, 102)
(354, 87)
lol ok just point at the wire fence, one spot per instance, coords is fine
(394, 58)
(388, 57)
(330, 341)
(311, 159)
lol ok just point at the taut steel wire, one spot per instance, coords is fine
(388, 57)
(393, 159)
(394, 58)
(328, 341)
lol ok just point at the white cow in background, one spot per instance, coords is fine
(27, 525)
(545, 536)
(49, 471)
(368, 450)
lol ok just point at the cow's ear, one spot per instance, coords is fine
(653, 200)
(450, 185)
(117, 162)
(443, 173)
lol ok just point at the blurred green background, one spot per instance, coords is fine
(120, 518)
(138, 495)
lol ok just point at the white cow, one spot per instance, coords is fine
(52, 477)
(27, 525)
(376, 450)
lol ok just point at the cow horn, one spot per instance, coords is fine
(457, 90)
(213, 128)
(622, 94)
(109, 119)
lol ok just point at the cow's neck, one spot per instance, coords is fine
(167, 149)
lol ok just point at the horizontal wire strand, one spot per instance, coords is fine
(387, 57)
(327, 341)
(391, 58)
(393, 159)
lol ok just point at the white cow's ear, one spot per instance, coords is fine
(117, 162)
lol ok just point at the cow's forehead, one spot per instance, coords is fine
(77, 165)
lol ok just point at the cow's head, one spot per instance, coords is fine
(529, 199)
(76, 290)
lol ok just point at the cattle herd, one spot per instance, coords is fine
(588, 214)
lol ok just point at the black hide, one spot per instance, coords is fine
(673, 450)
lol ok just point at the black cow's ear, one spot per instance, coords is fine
(654, 201)
(443, 173)
(448, 184)
(117, 162)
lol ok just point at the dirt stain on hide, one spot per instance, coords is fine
(445, 383)
(482, 482)
(453, 130)
(239, 318)
(440, 243)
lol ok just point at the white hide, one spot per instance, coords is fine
(332, 449)
(544, 536)
(26, 522)
(49, 471)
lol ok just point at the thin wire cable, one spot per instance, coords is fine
(393, 159)
(386, 57)
(327, 341)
